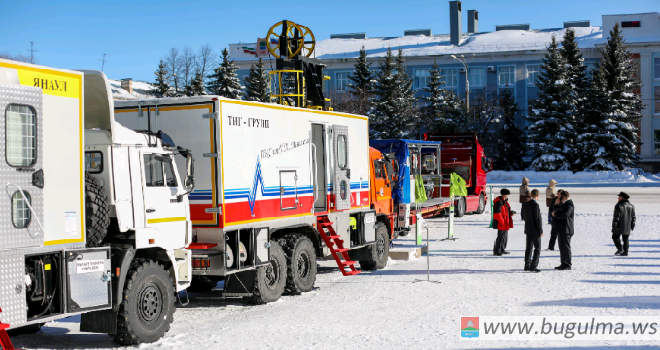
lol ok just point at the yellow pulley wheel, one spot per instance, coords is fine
(274, 35)
(308, 41)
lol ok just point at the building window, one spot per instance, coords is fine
(656, 139)
(533, 74)
(421, 76)
(477, 77)
(450, 76)
(656, 93)
(341, 81)
(631, 24)
(530, 106)
(506, 76)
(656, 69)
(21, 139)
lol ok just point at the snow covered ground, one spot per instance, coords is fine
(567, 177)
(387, 310)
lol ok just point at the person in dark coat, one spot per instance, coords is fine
(553, 224)
(502, 214)
(623, 223)
(531, 212)
(565, 228)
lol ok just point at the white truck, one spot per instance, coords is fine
(273, 183)
(95, 217)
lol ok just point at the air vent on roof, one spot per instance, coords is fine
(512, 27)
(349, 36)
(570, 24)
(426, 32)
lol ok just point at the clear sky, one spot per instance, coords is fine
(136, 34)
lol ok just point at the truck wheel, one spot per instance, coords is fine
(301, 270)
(381, 250)
(203, 283)
(271, 279)
(30, 329)
(97, 217)
(460, 207)
(147, 306)
(482, 204)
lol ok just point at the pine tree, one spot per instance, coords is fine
(362, 77)
(620, 82)
(406, 100)
(553, 131)
(160, 88)
(385, 119)
(256, 84)
(577, 78)
(224, 81)
(443, 110)
(196, 85)
(511, 145)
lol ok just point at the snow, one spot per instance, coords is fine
(386, 309)
(140, 90)
(504, 40)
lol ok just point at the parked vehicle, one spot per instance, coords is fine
(96, 220)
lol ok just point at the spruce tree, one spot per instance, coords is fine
(362, 78)
(196, 85)
(511, 145)
(406, 101)
(620, 82)
(385, 121)
(160, 88)
(256, 84)
(553, 131)
(224, 81)
(443, 110)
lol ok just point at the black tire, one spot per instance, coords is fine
(147, 306)
(482, 204)
(381, 250)
(271, 279)
(30, 329)
(97, 212)
(460, 207)
(301, 263)
(203, 283)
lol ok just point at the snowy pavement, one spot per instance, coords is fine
(387, 310)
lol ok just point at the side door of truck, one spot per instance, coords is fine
(342, 170)
(21, 167)
(164, 210)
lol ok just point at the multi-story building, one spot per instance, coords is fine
(509, 57)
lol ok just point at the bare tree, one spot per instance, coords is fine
(188, 63)
(173, 61)
(486, 116)
(205, 60)
(19, 58)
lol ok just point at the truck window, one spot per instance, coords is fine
(378, 170)
(341, 151)
(20, 212)
(153, 171)
(169, 175)
(21, 135)
(94, 162)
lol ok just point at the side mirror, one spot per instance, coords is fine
(189, 181)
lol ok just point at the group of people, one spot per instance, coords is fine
(561, 211)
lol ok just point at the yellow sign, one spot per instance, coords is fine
(52, 82)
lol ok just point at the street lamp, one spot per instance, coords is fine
(466, 64)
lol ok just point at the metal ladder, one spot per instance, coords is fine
(331, 240)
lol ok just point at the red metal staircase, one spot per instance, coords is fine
(336, 246)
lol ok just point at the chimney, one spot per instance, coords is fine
(473, 21)
(127, 84)
(455, 22)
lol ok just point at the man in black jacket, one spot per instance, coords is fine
(565, 229)
(623, 223)
(531, 213)
(553, 223)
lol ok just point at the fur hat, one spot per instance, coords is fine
(624, 195)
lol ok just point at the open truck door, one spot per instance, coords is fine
(342, 183)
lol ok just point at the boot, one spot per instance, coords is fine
(625, 253)
(526, 268)
(619, 252)
(534, 269)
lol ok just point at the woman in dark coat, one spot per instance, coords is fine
(623, 223)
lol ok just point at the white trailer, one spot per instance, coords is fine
(95, 217)
(270, 176)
